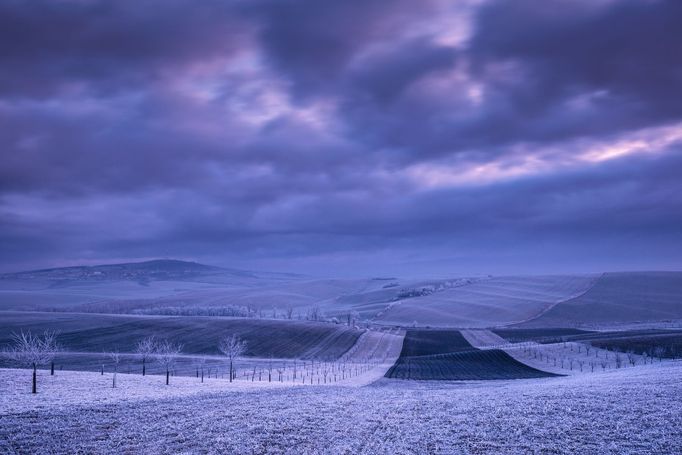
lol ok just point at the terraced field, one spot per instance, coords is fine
(446, 355)
(199, 335)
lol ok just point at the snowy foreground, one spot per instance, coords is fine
(637, 410)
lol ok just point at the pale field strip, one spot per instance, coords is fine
(382, 348)
(559, 358)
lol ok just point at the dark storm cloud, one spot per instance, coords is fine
(249, 131)
(622, 58)
(45, 46)
(313, 42)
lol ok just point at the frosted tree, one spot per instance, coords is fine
(115, 358)
(145, 348)
(632, 357)
(33, 350)
(352, 317)
(659, 352)
(232, 347)
(166, 353)
(315, 314)
(201, 362)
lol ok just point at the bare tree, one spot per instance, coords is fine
(232, 347)
(632, 357)
(315, 313)
(33, 350)
(201, 362)
(659, 352)
(145, 348)
(115, 358)
(290, 312)
(166, 354)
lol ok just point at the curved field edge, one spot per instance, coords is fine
(617, 299)
(497, 301)
(447, 355)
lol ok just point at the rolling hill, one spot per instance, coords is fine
(619, 298)
(169, 287)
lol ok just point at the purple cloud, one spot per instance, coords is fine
(367, 133)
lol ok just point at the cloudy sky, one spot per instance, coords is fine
(343, 137)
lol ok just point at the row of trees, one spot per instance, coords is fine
(32, 351)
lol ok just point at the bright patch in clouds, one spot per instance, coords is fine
(533, 161)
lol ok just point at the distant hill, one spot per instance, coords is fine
(154, 270)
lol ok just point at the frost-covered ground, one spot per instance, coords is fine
(635, 411)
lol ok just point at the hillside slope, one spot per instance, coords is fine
(198, 335)
(492, 302)
(619, 298)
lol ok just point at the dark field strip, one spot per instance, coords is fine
(446, 355)
(429, 342)
(198, 335)
(473, 365)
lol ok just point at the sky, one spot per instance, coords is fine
(343, 137)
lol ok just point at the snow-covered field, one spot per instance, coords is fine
(634, 411)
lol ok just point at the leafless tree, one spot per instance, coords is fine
(145, 348)
(232, 347)
(290, 312)
(632, 357)
(166, 353)
(200, 367)
(659, 352)
(315, 314)
(115, 358)
(33, 350)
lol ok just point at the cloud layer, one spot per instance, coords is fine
(355, 136)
